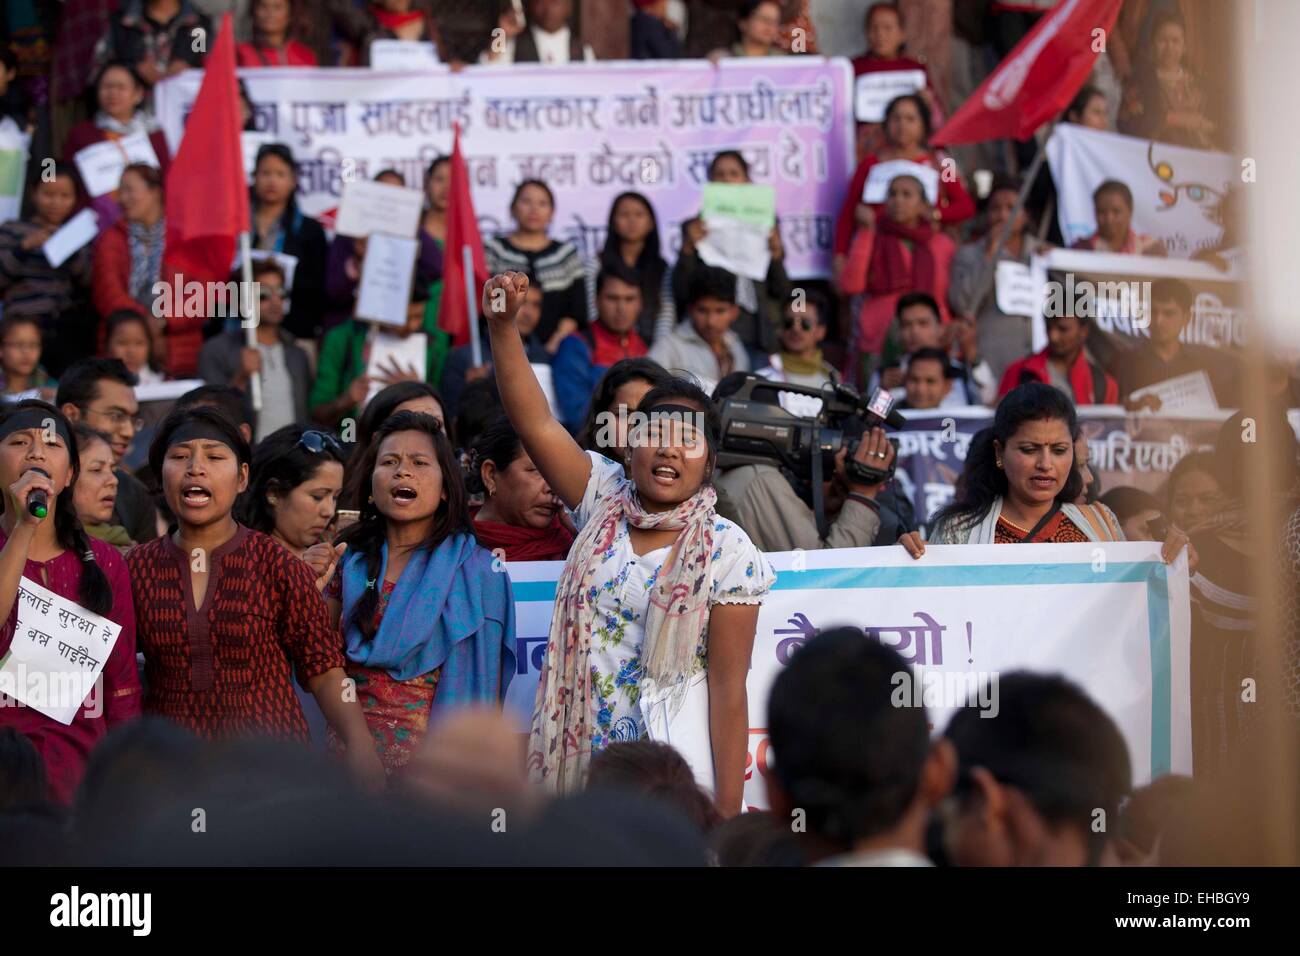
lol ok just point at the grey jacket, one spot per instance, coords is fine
(219, 363)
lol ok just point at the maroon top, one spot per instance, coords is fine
(225, 668)
(65, 749)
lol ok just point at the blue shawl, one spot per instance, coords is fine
(449, 609)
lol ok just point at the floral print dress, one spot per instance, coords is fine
(740, 575)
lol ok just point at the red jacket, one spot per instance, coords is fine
(292, 54)
(1086, 379)
(955, 203)
(110, 289)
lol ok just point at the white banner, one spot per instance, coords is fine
(1176, 189)
(1113, 618)
(590, 131)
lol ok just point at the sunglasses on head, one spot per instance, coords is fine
(316, 442)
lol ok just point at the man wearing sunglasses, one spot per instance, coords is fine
(800, 361)
(283, 365)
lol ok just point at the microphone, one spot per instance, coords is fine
(38, 504)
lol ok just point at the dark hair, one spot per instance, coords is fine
(205, 414)
(279, 465)
(748, 7)
(478, 404)
(498, 443)
(1053, 743)
(1172, 290)
(230, 400)
(281, 152)
(94, 592)
(1148, 810)
(616, 270)
(921, 108)
(1274, 449)
(61, 170)
(378, 410)
(391, 172)
(532, 182)
(809, 297)
(151, 175)
(934, 355)
(136, 78)
(674, 391)
(657, 771)
(1203, 461)
(433, 167)
(1163, 19)
(755, 838)
(981, 479)
(728, 154)
(1127, 502)
(366, 537)
(615, 377)
(843, 752)
(882, 5)
(1117, 187)
(22, 772)
(909, 299)
(120, 317)
(10, 322)
(710, 282)
(85, 435)
(79, 383)
(648, 272)
(1081, 101)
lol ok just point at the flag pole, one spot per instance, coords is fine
(471, 304)
(250, 328)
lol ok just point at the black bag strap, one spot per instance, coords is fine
(1042, 523)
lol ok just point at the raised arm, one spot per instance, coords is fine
(562, 463)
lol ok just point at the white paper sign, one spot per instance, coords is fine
(881, 175)
(71, 236)
(369, 206)
(873, 91)
(386, 276)
(101, 165)
(402, 55)
(251, 141)
(167, 391)
(1185, 393)
(1017, 293)
(400, 352)
(737, 246)
(58, 652)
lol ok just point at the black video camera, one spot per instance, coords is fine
(757, 430)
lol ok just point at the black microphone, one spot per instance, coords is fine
(38, 504)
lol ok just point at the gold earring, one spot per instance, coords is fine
(491, 490)
(999, 462)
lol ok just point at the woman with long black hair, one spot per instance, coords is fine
(632, 246)
(280, 226)
(39, 453)
(1020, 483)
(409, 396)
(428, 623)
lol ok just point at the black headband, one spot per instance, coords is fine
(196, 430)
(673, 410)
(41, 418)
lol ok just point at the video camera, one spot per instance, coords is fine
(757, 430)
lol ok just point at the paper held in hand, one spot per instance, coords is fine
(58, 652)
(740, 218)
(386, 275)
(873, 91)
(1191, 393)
(71, 236)
(402, 55)
(881, 175)
(391, 354)
(1017, 292)
(367, 207)
(101, 165)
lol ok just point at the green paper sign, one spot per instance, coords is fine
(747, 202)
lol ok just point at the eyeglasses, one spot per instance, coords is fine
(118, 417)
(316, 442)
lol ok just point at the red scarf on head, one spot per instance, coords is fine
(394, 20)
(525, 544)
(888, 270)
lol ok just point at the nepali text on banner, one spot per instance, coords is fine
(1112, 617)
(590, 131)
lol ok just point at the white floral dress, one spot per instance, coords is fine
(741, 575)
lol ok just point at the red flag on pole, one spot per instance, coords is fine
(207, 192)
(1038, 79)
(462, 231)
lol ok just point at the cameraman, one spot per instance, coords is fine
(778, 518)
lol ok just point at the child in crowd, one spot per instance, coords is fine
(21, 374)
(127, 336)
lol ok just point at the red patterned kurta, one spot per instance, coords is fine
(1060, 530)
(224, 669)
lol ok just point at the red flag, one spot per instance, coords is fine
(1038, 79)
(207, 192)
(462, 231)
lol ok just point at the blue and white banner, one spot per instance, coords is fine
(1111, 617)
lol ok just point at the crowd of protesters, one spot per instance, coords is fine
(325, 569)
